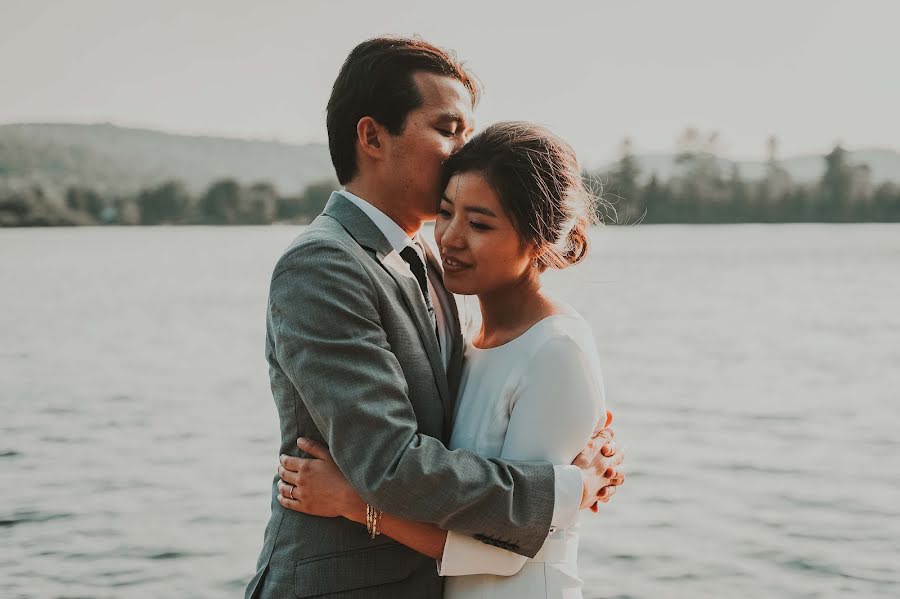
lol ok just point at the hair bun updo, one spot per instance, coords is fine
(538, 180)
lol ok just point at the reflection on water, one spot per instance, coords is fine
(753, 371)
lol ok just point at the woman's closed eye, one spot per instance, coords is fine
(479, 226)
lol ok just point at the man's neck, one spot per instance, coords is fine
(410, 223)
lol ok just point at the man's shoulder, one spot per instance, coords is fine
(318, 245)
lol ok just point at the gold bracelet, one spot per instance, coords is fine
(372, 518)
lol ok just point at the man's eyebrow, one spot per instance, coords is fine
(452, 116)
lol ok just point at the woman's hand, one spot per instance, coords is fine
(316, 486)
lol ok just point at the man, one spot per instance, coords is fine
(365, 349)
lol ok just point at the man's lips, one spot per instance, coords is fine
(452, 264)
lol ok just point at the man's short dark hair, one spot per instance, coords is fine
(376, 80)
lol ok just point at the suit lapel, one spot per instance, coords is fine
(454, 364)
(370, 236)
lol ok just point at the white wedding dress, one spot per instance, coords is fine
(537, 397)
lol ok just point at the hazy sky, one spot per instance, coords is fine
(810, 72)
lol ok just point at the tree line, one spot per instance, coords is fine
(701, 192)
(698, 192)
(225, 202)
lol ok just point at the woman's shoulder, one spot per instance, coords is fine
(562, 336)
(562, 351)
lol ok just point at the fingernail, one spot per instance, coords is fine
(281, 458)
(301, 441)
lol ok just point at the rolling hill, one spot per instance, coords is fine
(122, 160)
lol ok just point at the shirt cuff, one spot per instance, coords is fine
(464, 555)
(567, 491)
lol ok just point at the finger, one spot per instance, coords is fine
(604, 435)
(601, 462)
(289, 476)
(290, 462)
(619, 477)
(609, 449)
(587, 455)
(287, 490)
(314, 448)
(605, 494)
(291, 504)
(601, 424)
(614, 460)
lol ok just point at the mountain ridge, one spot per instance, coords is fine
(122, 160)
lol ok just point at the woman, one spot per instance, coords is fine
(514, 205)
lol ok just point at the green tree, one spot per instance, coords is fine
(167, 203)
(260, 205)
(775, 187)
(835, 185)
(699, 191)
(88, 201)
(886, 203)
(656, 201)
(624, 186)
(220, 205)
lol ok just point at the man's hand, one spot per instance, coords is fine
(316, 486)
(601, 466)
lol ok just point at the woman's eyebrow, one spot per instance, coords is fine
(481, 210)
(478, 209)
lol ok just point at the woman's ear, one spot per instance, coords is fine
(536, 253)
(370, 136)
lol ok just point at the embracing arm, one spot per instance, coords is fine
(539, 427)
(327, 329)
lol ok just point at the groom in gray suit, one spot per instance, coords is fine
(364, 347)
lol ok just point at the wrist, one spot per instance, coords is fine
(356, 511)
(587, 495)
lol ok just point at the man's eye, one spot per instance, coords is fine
(447, 133)
(443, 213)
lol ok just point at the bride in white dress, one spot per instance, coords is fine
(514, 205)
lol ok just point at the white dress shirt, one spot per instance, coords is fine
(568, 484)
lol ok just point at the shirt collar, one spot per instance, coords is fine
(393, 232)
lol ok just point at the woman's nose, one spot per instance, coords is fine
(453, 236)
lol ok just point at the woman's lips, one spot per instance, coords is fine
(453, 265)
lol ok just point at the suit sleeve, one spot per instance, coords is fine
(552, 417)
(329, 339)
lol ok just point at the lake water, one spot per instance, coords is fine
(754, 372)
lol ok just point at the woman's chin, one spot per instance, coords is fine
(458, 287)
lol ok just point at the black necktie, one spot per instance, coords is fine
(411, 256)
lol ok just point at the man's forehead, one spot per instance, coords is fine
(444, 95)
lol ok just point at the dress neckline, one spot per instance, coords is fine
(524, 334)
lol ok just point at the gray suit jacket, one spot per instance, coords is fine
(354, 363)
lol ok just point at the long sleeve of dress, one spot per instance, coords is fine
(553, 412)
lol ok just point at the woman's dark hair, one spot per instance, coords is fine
(538, 180)
(376, 80)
